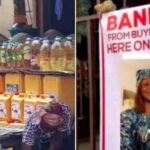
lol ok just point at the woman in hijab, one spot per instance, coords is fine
(135, 123)
(47, 129)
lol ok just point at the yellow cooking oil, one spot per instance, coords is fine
(30, 103)
(14, 83)
(58, 56)
(2, 83)
(33, 84)
(62, 88)
(17, 107)
(5, 107)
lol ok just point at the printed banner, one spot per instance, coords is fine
(124, 49)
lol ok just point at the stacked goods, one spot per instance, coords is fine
(17, 107)
(33, 84)
(58, 56)
(2, 83)
(35, 49)
(3, 56)
(14, 83)
(5, 106)
(58, 87)
(29, 106)
(39, 54)
(69, 47)
(23, 93)
(27, 54)
(42, 100)
(44, 56)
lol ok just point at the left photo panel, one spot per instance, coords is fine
(37, 75)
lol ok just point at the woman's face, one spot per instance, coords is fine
(53, 119)
(146, 88)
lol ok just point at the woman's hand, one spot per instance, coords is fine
(53, 119)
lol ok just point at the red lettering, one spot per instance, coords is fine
(149, 15)
(119, 47)
(139, 17)
(112, 24)
(125, 22)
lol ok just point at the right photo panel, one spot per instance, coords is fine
(112, 75)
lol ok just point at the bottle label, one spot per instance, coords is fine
(2, 56)
(44, 63)
(16, 112)
(28, 111)
(12, 88)
(3, 112)
(34, 60)
(58, 63)
(27, 53)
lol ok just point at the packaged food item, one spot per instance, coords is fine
(29, 106)
(62, 88)
(58, 56)
(5, 106)
(14, 83)
(27, 54)
(19, 56)
(2, 82)
(9, 56)
(41, 101)
(14, 56)
(44, 56)
(17, 107)
(70, 50)
(35, 46)
(33, 84)
(3, 62)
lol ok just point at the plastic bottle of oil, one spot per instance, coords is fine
(14, 55)
(36, 45)
(57, 56)
(70, 50)
(9, 55)
(27, 54)
(3, 63)
(19, 57)
(44, 56)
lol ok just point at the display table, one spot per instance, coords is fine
(11, 136)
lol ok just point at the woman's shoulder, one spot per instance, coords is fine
(129, 114)
(129, 111)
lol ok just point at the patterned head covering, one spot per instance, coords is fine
(62, 110)
(142, 74)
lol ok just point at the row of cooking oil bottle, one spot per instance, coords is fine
(19, 107)
(34, 54)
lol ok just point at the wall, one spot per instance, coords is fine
(6, 16)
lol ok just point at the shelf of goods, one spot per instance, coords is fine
(22, 92)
